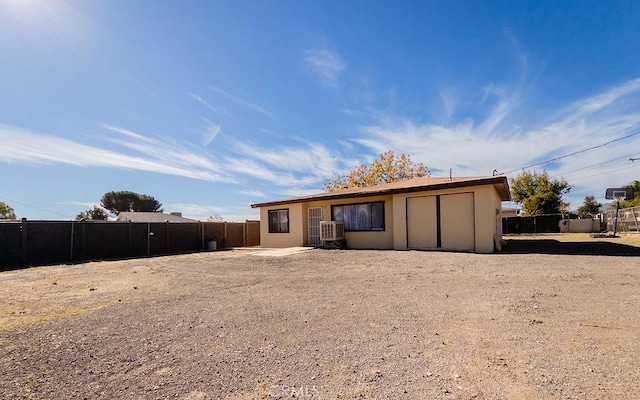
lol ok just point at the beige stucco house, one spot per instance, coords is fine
(457, 214)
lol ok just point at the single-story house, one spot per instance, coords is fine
(458, 214)
(139, 216)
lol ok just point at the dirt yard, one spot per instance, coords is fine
(326, 324)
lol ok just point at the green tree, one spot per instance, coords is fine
(589, 207)
(117, 202)
(386, 169)
(95, 214)
(635, 201)
(6, 212)
(539, 194)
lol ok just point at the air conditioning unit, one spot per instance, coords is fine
(331, 230)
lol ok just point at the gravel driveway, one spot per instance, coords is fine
(324, 324)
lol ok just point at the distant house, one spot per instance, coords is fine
(510, 212)
(458, 214)
(152, 217)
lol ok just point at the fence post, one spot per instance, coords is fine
(130, 238)
(244, 233)
(84, 240)
(202, 233)
(23, 231)
(73, 224)
(166, 242)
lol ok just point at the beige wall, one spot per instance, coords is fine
(485, 214)
(458, 221)
(486, 202)
(488, 206)
(294, 238)
(422, 229)
(585, 225)
(361, 240)
(299, 224)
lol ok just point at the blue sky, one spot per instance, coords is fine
(210, 106)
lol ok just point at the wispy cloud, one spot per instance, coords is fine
(254, 169)
(210, 133)
(215, 109)
(304, 166)
(245, 103)
(170, 152)
(593, 104)
(84, 204)
(42, 21)
(448, 99)
(253, 193)
(501, 140)
(308, 164)
(325, 65)
(153, 155)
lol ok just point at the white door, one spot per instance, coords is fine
(315, 216)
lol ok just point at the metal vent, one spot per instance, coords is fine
(331, 230)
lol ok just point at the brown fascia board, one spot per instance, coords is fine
(497, 181)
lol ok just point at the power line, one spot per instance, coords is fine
(34, 207)
(637, 124)
(604, 173)
(581, 150)
(596, 165)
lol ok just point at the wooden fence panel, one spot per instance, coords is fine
(253, 233)
(235, 234)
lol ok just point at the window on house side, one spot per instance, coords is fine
(279, 221)
(360, 217)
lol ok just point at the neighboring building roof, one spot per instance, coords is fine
(151, 217)
(412, 185)
(510, 209)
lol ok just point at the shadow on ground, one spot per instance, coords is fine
(550, 246)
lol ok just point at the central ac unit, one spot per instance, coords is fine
(331, 230)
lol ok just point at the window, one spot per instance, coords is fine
(279, 221)
(360, 217)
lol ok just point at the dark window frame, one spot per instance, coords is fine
(381, 227)
(278, 221)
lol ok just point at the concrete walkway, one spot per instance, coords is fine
(280, 252)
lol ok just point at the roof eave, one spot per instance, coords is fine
(500, 183)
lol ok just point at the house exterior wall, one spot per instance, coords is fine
(487, 216)
(458, 221)
(486, 205)
(295, 236)
(359, 240)
(422, 229)
(482, 205)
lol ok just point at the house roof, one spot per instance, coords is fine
(151, 217)
(412, 185)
